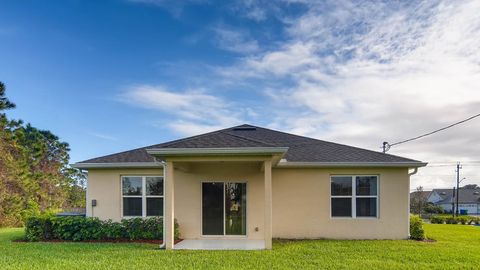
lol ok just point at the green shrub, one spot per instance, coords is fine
(81, 228)
(113, 230)
(416, 228)
(474, 220)
(77, 228)
(437, 219)
(451, 220)
(38, 228)
(462, 219)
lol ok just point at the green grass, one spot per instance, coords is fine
(457, 247)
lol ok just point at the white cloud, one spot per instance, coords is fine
(252, 9)
(364, 72)
(356, 73)
(174, 7)
(190, 111)
(234, 40)
(103, 136)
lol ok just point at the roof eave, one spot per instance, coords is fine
(291, 164)
(142, 165)
(241, 151)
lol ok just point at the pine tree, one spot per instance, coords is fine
(34, 172)
(5, 104)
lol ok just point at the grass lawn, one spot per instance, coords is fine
(457, 247)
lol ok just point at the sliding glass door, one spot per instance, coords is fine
(212, 208)
(224, 208)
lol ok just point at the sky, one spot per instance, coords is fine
(113, 75)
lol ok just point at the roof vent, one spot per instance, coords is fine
(443, 193)
(245, 128)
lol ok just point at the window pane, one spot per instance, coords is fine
(235, 208)
(366, 207)
(341, 185)
(366, 185)
(132, 206)
(212, 208)
(132, 185)
(154, 185)
(341, 207)
(154, 206)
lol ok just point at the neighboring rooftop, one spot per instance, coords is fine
(300, 149)
(466, 195)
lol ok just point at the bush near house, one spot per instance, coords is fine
(464, 220)
(416, 228)
(47, 227)
(437, 219)
(474, 220)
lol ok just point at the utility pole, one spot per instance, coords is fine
(453, 202)
(458, 185)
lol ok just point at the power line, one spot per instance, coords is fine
(454, 162)
(387, 146)
(450, 165)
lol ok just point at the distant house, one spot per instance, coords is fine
(468, 200)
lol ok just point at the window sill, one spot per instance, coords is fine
(130, 217)
(354, 218)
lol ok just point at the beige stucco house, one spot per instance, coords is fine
(254, 184)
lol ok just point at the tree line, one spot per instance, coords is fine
(34, 173)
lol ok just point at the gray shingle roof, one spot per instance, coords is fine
(300, 149)
(466, 195)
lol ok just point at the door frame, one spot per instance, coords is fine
(201, 210)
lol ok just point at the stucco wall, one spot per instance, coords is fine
(301, 200)
(188, 200)
(104, 186)
(301, 205)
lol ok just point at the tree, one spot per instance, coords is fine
(471, 186)
(431, 208)
(418, 200)
(5, 104)
(34, 173)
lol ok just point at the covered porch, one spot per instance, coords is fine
(220, 200)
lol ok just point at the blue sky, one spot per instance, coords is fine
(79, 56)
(108, 76)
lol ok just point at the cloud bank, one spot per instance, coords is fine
(354, 72)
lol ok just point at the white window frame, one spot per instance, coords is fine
(143, 196)
(354, 197)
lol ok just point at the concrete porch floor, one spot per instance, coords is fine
(220, 244)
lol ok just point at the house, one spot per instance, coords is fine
(418, 201)
(468, 200)
(253, 184)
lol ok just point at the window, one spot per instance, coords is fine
(142, 196)
(354, 196)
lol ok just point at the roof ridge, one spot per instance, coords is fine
(310, 138)
(210, 133)
(246, 138)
